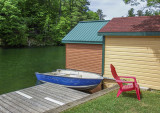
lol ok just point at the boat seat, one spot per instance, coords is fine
(62, 74)
(75, 75)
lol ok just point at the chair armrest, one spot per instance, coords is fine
(129, 77)
(124, 81)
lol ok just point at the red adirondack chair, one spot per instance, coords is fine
(123, 88)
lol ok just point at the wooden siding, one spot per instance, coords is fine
(84, 57)
(137, 56)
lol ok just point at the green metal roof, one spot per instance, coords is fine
(85, 32)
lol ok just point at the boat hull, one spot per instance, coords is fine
(76, 83)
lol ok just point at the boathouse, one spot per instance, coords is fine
(132, 45)
(84, 47)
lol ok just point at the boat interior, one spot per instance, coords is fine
(74, 74)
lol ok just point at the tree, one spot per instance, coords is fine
(79, 11)
(157, 13)
(40, 22)
(100, 14)
(13, 28)
(131, 12)
(60, 4)
(153, 3)
(152, 6)
(148, 13)
(92, 15)
(140, 13)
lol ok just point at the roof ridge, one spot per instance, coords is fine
(138, 17)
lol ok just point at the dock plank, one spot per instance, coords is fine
(4, 102)
(4, 106)
(37, 102)
(47, 84)
(20, 104)
(41, 98)
(21, 101)
(66, 90)
(60, 93)
(32, 102)
(38, 99)
(45, 94)
(69, 93)
(54, 93)
(3, 110)
(15, 104)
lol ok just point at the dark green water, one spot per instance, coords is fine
(18, 66)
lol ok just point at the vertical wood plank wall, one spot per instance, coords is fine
(84, 57)
(137, 56)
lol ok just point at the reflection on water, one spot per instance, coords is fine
(17, 66)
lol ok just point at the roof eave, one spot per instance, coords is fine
(82, 42)
(128, 33)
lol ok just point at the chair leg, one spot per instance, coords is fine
(119, 92)
(138, 93)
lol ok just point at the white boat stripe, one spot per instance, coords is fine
(55, 101)
(22, 94)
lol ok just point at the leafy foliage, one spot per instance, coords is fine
(154, 3)
(100, 14)
(12, 26)
(152, 7)
(131, 12)
(140, 13)
(40, 22)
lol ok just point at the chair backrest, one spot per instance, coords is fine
(114, 73)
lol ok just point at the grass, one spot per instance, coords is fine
(126, 103)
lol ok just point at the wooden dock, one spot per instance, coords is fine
(38, 99)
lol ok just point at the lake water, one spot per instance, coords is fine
(18, 66)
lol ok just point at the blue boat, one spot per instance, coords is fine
(71, 78)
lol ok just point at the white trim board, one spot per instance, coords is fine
(55, 101)
(23, 94)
